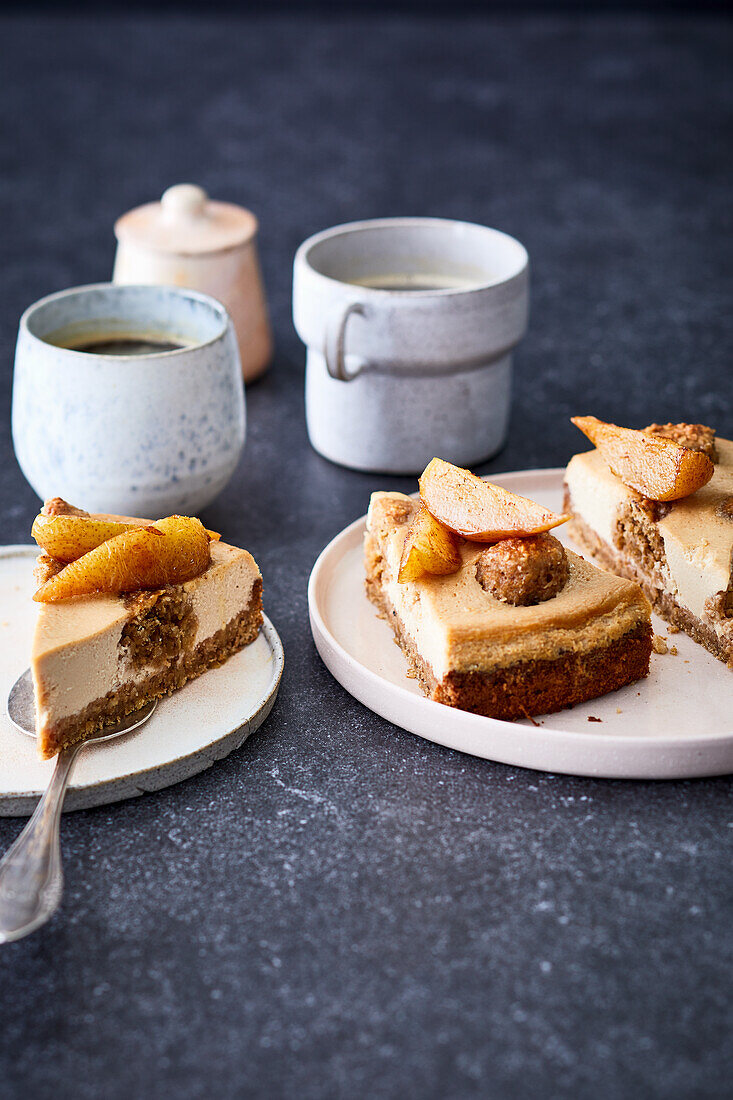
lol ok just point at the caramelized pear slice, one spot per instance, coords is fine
(68, 537)
(478, 510)
(171, 551)
(429, 548)
(656, 467)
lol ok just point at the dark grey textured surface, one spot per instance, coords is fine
(340, 909)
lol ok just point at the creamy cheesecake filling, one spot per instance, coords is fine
(74, 677)
(696, 568)
(419, 623)
(223, 596)
(597, 494)
(455, 624)
(69, 677)
(696, 577)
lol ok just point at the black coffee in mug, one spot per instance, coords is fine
(126, 345)
(122, 345)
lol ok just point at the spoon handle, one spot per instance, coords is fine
(31, 879)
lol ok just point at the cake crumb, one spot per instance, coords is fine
(673, 650)
(618, 710)
(671, 629)
(659, 644)
(592, 718)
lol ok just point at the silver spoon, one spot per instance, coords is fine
(31, 879)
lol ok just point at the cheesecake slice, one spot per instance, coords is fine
(519, 628)
(680, 551)
(96, 658)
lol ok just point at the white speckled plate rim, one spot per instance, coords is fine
(252, 680)
(676, 724)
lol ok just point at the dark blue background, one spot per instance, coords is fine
(341, 909)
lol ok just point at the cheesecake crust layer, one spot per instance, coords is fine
(527, 687)
(166, 678)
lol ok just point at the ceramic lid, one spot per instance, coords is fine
(186, 222)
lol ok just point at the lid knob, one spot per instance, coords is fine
(183, 200)
(186, 222)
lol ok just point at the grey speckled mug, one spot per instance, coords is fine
(146, 434)
(410, 325)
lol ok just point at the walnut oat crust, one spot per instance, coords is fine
(654, 510)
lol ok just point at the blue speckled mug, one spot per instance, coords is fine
(146, 434)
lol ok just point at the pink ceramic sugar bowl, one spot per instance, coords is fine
(188, 240)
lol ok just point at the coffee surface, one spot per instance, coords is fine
(126, 345)
(416, 281)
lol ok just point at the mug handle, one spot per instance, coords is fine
(334, 349)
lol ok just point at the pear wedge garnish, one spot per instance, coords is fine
(171, 551)
(656, 467)
(478, 510)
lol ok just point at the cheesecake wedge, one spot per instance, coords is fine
(100, 656)
(574, 633)
(679, 551)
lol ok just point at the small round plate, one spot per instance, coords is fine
(675, 724)
(189, 731)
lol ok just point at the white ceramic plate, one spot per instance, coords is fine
(675, 724)
(189, 731)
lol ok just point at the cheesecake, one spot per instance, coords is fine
(679, 551)
(100, 656)
(518, 627)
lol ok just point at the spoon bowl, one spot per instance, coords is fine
(31, 878)
(21, 709)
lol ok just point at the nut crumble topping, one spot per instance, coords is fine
(696, 437)
(523, 571)
(59, 507)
